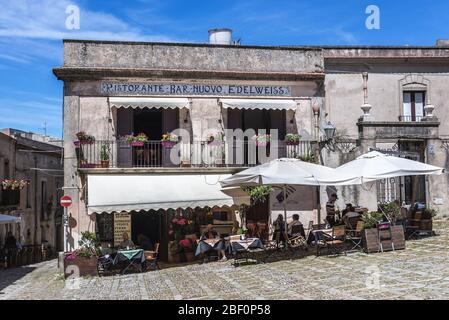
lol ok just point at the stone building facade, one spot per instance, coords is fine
(116, 89)
(37, 204)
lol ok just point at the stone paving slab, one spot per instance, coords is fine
(419, 272)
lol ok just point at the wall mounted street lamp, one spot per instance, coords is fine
(329, 131)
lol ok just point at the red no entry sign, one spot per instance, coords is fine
(66, 201)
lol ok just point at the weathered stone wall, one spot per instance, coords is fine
(190, 57)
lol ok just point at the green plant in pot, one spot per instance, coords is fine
(104, 155)
(258, 194)
(84, 258)
(371, 219)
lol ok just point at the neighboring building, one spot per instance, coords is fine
(115, 89)
(38, 166)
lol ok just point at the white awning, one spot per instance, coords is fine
(252, 104)
(128, 192)
(156, 103)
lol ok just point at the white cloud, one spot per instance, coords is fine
(46, 19)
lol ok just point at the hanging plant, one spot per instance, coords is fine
(258, 194)
(14, 184)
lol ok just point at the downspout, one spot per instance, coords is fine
(35, 203)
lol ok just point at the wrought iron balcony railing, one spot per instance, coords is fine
(121, 154)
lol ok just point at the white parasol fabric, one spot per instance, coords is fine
(375, 165)
(287, 171)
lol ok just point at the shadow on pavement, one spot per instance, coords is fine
(9, 276)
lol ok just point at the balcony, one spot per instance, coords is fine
(155, 154)
(410, 118)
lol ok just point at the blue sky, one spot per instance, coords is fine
(31, 32)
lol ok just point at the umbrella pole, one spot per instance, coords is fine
(285, 206)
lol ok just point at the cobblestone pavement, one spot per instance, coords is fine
(419, 272)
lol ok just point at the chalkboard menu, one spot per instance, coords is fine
(122, 223)
(105, 227)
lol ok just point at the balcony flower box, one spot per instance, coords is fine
(87, 165)
(292, 139)
(262, 140)
(137, 141)
(215, 139)
(137, 144)
(83, 138)
(168, 144)
(169, 140)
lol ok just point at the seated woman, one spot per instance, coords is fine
(126, 243)
(251, 231)
(279, 229)
(211, 233)
(293, 227)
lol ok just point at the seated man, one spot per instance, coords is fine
(144, 242)
(293, 232)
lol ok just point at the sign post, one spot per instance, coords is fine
(66, 201)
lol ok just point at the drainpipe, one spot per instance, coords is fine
(35, 203)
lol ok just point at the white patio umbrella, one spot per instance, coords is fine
(286, 171)
(375, 165)
(5, 219)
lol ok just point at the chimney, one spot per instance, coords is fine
(221, 36)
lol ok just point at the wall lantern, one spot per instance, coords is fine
(329, 131)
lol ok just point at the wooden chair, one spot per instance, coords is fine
(336, 242)
(355, 236)
(151, 258)
(251, 229)
(297, 239)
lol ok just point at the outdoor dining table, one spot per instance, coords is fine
(314, 235)
(247, 244)
(208, 244)
(131, 258)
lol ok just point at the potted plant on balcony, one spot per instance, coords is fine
(169, 140)
(104, 155)
(83, 261)
(292, 139)
(262, 140)
(214, 138)
(83, 138)
(137, 141)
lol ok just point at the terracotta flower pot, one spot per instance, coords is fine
(105, 163)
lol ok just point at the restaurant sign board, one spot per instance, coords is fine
(194, 89)
(122, 224)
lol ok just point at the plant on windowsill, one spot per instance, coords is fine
(169, 140)
(83, 261)
(83, 138)
(292, 139)
(104, 155)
